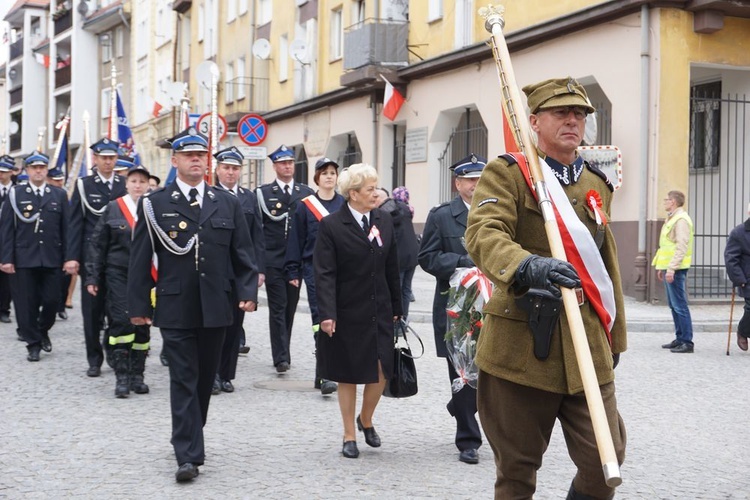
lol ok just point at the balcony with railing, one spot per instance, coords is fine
(16, 48)
(371, 45)
(16, 96)
(62, 76)
(63, 21)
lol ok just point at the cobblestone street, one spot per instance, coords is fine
(65, 435)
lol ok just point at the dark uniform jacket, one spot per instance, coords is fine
(737, 258)
(357, 285)
(82, 219)
(41, 243)
(250, 209)
(303, 235)
(271, 201)
(110, 244)
(505, 226)
(441, 252)
(192, 290)
(406, 237)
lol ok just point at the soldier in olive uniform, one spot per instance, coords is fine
(33, 226)
(529, 375)
(277, 201)
(90, 199)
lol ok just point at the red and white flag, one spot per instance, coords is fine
(392, 101)
(511, 146)
(157, 108)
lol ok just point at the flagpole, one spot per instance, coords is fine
(112, 132)
(40, 139)
(213, 138)
(73, 174)
(60, 137)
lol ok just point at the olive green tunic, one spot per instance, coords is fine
(505, 226)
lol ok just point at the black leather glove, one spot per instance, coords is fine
(465, 261)
(545, 272)
(615, 360)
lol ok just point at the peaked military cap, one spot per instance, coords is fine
(36, 158)
(139, 168)
(189, 140)
(7, 163)
(555, 93)
(324, 162)
(469, 167)
(230, 156)
(124, 162)
(105, 147)
(56, 174)
(283, 153)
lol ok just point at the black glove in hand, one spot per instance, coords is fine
(544, 272)
(615, 360)
(465, 261)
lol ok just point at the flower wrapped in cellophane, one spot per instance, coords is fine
(469, 291)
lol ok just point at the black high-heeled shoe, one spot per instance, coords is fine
(371, 437)
(350, 449)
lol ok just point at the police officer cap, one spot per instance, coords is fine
(189, 140)
(324, 162)
(56, 174)
(283, 153)
(124, 162)
(230, 156)
(555, 93)
(469, 167)
(36, 158)
(139, 168)
(105, 147)
(7, 163)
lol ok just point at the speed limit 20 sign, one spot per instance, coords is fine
(204, 125)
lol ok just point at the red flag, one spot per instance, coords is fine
(510, 140)
(157, 109)
(392, 101)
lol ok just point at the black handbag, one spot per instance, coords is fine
(404, 381)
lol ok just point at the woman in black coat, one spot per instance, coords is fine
(359, 298)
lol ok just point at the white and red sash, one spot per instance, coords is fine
(128, 209)
(314, 205)
(580, 248)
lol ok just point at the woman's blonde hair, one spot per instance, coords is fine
(354, 177)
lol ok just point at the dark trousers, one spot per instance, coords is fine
(92, 309)
(4, 293)
(308, 274)
(463, 407)
(231, 347)
(122, 333)
(743, 328)
(282, 304)
(64, 285)
(36, 301)
(518, 421)
(193, 359)
(406, 276)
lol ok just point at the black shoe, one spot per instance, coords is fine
(470, 456)
(244, 349)
(328, 387)
(163, 359)
(62, 315)
(4, 318)
(350, 449)
(93, 371)
(33, 353)
(216, 389)
(226, 386)
(371, 437)
(282, 367)
(671, 345)
(186, 472)
(683, 349)
(46, 343)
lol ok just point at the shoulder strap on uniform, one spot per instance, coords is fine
(264, 208)
(601, 174)
(85, 202)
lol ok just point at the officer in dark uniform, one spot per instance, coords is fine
(197, 233)
(7, 164)
(441, 252)
(90, 198)
(56, 177)
(277, 200)
(228, 171)
(34, 223)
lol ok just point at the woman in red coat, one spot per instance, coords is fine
(359, 297)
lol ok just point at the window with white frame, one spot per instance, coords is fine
(119, 41)
(336, 34)
(283, 58)
(265, 11)
(358, 11)
(464, 23)
(231, 10)
(184, 38)
(242, 7)
(141, 47)
(201, 22)
(434, 10)
(229, 82)
(240, 79)
(106, 42)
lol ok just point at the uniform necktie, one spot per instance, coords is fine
(109, 185)
(365, 225)
(39, 195)
(194, 201)
(286, 189)
(5, 191)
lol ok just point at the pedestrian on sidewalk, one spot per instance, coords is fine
(441, 253)
(737, 261)
(672, 261)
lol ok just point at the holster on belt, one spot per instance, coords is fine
(544, 311)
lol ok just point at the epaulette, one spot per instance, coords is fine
(509, 158)
(440, 205)
(601, 174)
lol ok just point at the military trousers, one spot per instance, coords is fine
(518, 422)
(92, 310)
(463, 407)
(36, 301)
(230, 351)
(4, 293)
(122, 333)
(282, 304)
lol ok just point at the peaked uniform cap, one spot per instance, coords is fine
(56, 174)
(283, 153)
(230, 156)
(324, 162)
(105, 147)
(36, 158)
(469, 167)
(7, 163)
(555, 93)
(124, 162)
(189, 140)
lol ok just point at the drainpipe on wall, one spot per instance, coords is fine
(641, 265)
(374, 107)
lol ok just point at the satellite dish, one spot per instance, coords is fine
(13, 128)
(205, 74)
(298, 51)
(262, 49)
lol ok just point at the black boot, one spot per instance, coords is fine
(574, 495)
(121, 361)
(137, 367)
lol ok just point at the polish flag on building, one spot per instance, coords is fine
(392, 101)
(42, 59)
(156, 109)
